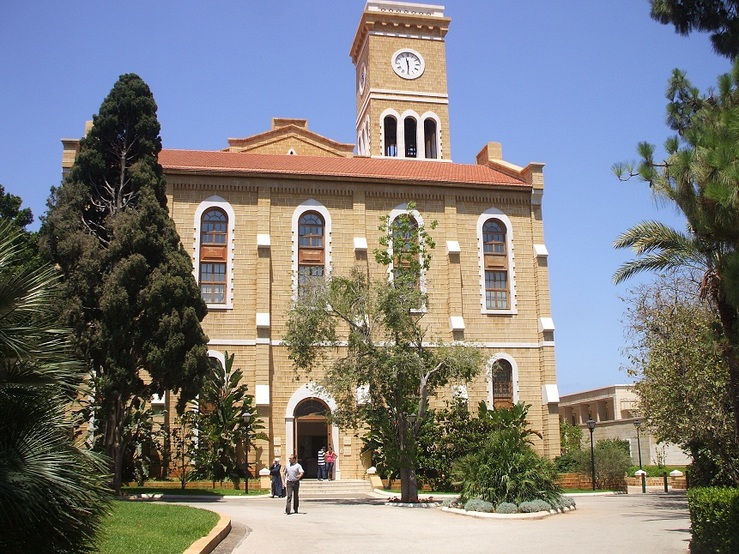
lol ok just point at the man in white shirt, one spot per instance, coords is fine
(293, 473)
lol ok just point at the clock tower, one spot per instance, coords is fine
(399, 53)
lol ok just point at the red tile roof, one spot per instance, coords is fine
(201, 161)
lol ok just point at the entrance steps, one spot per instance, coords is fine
(342, 488)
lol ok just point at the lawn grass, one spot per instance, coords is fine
(153, 528)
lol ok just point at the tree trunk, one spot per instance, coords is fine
(114, 443)
(408, 485)
(728, 316)
(733, 362)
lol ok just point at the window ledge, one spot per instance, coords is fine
(219, 307)
(499, 312)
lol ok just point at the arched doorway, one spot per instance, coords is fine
(311, 432)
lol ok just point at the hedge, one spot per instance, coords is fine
(714, 519)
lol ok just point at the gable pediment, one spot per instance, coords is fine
(290, 136)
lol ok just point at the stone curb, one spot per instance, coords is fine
(414, 504)
(208, 543)
(484, 515)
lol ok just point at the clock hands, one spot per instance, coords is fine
(408, 65)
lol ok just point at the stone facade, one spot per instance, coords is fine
(263, 184)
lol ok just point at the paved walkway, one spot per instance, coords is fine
(654, 523)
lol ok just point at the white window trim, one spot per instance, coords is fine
(394, 213)
(489, 376)
(494, 213)
(216, 202)
(363, 142)
(433, 116)
(419, 134)
(309, 390)
(311, 206)
(398, 136)
(218, 355)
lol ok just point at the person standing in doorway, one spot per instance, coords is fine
(293, 474)
(321, 458)
(330, 461)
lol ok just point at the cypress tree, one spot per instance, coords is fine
(131, 297)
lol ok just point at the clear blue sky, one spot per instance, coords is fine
(572, 84)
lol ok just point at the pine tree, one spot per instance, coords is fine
(719, 17)
(131, 296)
(700, 176)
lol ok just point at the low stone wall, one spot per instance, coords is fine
(672, 482)
(565, 480)
(396, 484)
(580, 481)
(254, 485)
(574, 481)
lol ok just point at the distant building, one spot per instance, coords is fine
(615, 411)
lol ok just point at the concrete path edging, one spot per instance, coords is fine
(207, 544)
(486, 515)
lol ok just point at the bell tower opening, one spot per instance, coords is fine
(312, 431)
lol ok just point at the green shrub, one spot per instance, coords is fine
(612, 461)
(714, 513)
(534, 506)
(564, 502)
(709, 471)
(506, 468)
(570, 439)
(506, 508)
(566, 463)
(478, 505)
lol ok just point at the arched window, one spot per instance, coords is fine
(502, 384)
(311, 252)
(213, 255)
(429, 138)
(391, 136)
(496, 265)
(312, 407)
(406, 266)
(409, 134)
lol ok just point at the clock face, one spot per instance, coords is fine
(362, 78)
(408, 64)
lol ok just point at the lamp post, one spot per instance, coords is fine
(591, 427)
(641, 472)
(637, 424)
(247, 418)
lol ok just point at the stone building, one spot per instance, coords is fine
(615, 410)
(273, 210)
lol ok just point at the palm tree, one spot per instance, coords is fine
(700, 176)
(52, 494)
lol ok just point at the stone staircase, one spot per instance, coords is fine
(343, 488)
